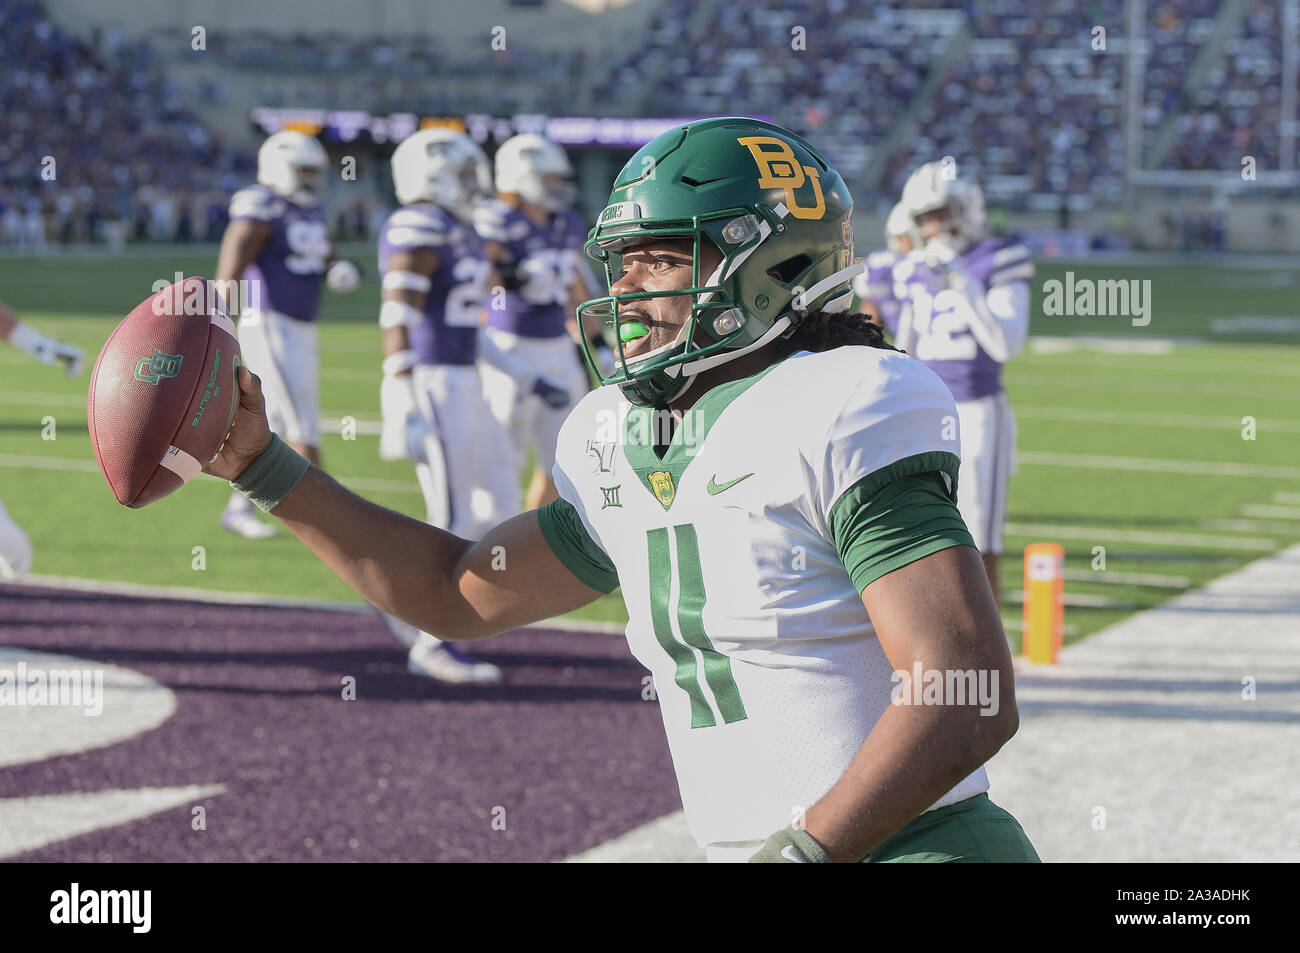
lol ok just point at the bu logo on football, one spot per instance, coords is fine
(779, 169)
(153, 369)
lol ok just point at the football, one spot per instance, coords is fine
(164, 392)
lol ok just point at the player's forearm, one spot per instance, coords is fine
(915, 754)
(394, 562)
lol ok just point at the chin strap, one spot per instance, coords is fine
(691, 368)
(803, 299)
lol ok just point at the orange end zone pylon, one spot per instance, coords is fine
(1044, 606)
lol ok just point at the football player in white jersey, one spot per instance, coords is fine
(278, 243)
(15, 547)
(965, 313)
(771, 486)
(534, 240)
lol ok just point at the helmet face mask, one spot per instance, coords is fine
(775, 209)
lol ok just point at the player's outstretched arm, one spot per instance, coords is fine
(449, 587)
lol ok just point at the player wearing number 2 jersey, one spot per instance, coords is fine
(965, 313)
(278, 245)
(772, 488)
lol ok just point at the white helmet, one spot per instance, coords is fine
(442, 166)
(522, 165)
(898, 226)
(282, 160)
(936, 186)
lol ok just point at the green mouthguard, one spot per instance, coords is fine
(632, 331)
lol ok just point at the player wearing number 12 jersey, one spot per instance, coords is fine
(278, 245)
(965, 312)
(771, 486)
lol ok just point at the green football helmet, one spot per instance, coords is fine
(773, 206)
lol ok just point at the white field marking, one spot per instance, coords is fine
(1281, 496)
(27, 823)
(1163, 689)
(367, 427)
(1083, 600)
(216, 597)
(1118, 364)
(75, 465)
(1050, 344)
(1059, 382)
(1148, 418)
(132, 703)
(1122, 697)
(333, 421)
(187, 594)
(1154, 580)
(1270, 512)
(1249, 526)
(662, 841)
(1099, 534)
(70, 464)
(1255, 323)
(1157, 465)
(41, 398)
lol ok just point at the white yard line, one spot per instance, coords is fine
(1140, 418)
(1270, 512)
(1265, 471)
(1154, 580)
(1104, 534)
(1139, 746)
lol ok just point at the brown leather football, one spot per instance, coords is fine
(164, 392)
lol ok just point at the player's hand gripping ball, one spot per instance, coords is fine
(164, 392)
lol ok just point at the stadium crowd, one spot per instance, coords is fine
(1024, 99)
(96, 147)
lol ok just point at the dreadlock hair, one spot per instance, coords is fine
(822, 331)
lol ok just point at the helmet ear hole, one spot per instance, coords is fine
(790, 269)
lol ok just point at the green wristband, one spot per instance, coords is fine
(273, 475)
(791, 845)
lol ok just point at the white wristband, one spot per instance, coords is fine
(25, 338)
(406, 281)
(399, 361)
(399, 314)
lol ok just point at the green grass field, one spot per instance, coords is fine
(1127, 445)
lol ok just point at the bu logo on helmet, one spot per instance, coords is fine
(153, 369)
(779, 169)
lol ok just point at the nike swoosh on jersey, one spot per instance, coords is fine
(788, 850)
(714, 487)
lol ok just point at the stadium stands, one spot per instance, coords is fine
(1024, 99)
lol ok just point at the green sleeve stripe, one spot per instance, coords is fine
(940, 460)
(878, 528)
(563, 531)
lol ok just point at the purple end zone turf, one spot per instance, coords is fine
(410, 771)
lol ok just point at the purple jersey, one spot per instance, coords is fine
(940, 316)
(287, 274)
(876, 285)
(539, 270)
(449, 332)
